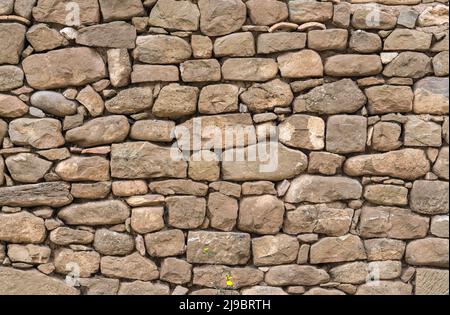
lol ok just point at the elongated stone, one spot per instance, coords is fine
(53, 194)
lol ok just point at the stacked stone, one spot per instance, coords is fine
(93, 202)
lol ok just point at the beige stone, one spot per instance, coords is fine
(310, 11)
(405, 39)
(54, 194)
(389, 99)
(42, 38)
(53, 103)
(268, 43)
(364, 18)
(332, 39)
(261, 214)
(220, 17)
(353, 65)
(85, 263)
(27, 167)
(111, 35)
(274, 250)
(392, 222)
(235, 45)
(119, 67)
(439, 226)
(143, 288)
(161, 49)
(133, 267)
(21, 227)
(218, 98)
(205, 70)
(384, 249)
(266, 12)
(95, 213)
(165, 243)
(324, 251)
(404, 164)
(365, 42)
(302, 64)
(175, 101)
(386, 136)
(325, 163)
(46, 71)
(154, 73)
(428, 252)
(420, 133)
(186, 212)
(97, 190)
(179, 187)
(218, 248)
(249, 69)
(147, 219)
(153, 130)
(431, 96)
(409, 64)
(108, 242)
(385, 288)
(295, 275)
(12, 40)
(346, 134)
(79, 168)
(266, 96)
(66, 236)
(175, 15)
(120, 9)
(176, 271)
(440, 167)
(222, 211)
(431, 281)
(429, 197)
(42, 133)
(130, 101)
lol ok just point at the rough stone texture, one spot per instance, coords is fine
(224, 147)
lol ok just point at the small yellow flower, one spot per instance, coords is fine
(229, 282)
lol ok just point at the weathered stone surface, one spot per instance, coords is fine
(365, 42)
(143, 288)
(11, 77)
(405, 164)
(79, 168)
(48, 70)
(420, 133)
(133, 266)
(218, 98)
(65, 236)
(200, 132)
(154, 73)
(130, 101)
(386, 195)
(120, 9)
(405, 39)
(385, 288)
(12, 39)
(274, 250)
(90, 99)
(289, 164)
(235, 45)
(99, 286)
(433, 15)
(161, 49)
(179, 187)
(108, 242)
(346, 134)
(175, 15)
(147, 219)
(165, 243)
(21, 227)
(54, 194)
(353, 65)
(302, 131)
(324, 251)
(266, 96)
(12, 106)
(440, 167)
(342, 96)
(302, 64)
(144, 160)
(14, 281)
(296, 275)
(111, 35)
(431, 281)
(266, 12)
(220, 17)
(322, 189)
(95, 213)
(325, 163)
(429, 197)
(99, 190)
(261, 215)
(53, 103)
(119, 67)
(68, 261)
(431, 96)
(364, 18)
(220, 277)
(30, 254)
(384, 249)
(99, 131)
(354, 273)
(186, 212)
(318, 219)
(153, 130)
(222, 211)
(218, 248)
(56, 12)
(42, 38)
(202, 46)
(440, 64)
(439, 226)
(263, 290)
(175, 101)
(428, 252)
(200, 70)
(389, 99)
(333, 39)
(310, 11)
(176, 271)
(392, 222)
(39, 133)
(281, 41)
(409, 64)
(249, 69)
(27, 167)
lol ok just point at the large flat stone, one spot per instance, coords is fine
(53, 194)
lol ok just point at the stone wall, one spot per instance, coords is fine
(99, 194)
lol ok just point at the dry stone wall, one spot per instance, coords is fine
(111, 181)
